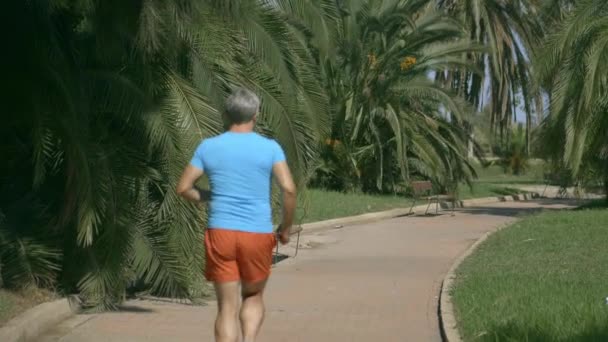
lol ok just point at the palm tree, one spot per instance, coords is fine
(107, 101)
(553, 11)
(510, 30)
(387, 113)
(572, 66)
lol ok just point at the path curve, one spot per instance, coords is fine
(370, 282)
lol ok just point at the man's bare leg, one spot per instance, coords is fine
(226, 323)
(252, 309)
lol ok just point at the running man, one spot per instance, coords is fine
(239, 241)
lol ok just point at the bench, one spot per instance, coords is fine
(424, 190)
(551, 178)
(294, 230)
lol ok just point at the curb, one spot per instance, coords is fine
(400, 212)
(447, 319)
(35, 321)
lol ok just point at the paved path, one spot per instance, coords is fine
(372, 282)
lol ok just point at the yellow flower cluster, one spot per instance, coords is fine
(407, 63)
(332, 143)
(372, 60)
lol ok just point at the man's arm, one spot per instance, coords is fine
(187, 188)
(283, 176)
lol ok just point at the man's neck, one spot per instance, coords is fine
(242, 128)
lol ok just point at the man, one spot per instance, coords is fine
(239, 241)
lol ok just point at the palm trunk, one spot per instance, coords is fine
(606, 186)
(528, 129)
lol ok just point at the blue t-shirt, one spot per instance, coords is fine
(239, 167)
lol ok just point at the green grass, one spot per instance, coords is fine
(7, 306)
(493, 181)
(325, 205)
(481, 190)
(14, 303)
(495, 174)
(542, 279)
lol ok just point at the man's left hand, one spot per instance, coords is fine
(283, 234)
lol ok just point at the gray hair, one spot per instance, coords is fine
(241, 106)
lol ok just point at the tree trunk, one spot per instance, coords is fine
(471, 152)
(606, 187)
(528, 129)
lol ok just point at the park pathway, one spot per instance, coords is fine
(370, 282)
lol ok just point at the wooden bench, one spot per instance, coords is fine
(424, 190)
(294, 230)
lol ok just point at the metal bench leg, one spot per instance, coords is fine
(453, 207)
(297, 245)
(276, 253)
(563, 193)
(427, 207)
(412, 207)
(437, 205)
(545, 189)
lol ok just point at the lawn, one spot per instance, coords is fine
(541, 279)
(481, 189)
(14, 303)
(493, 181)
(8, 306)
(495, 174)
(325, 205)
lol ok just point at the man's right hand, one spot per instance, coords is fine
(283, 176)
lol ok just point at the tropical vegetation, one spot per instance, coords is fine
(572, 69)
(105, 101)
(510, 30)
(389, 119)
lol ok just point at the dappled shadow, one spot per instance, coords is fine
(509, 212)
(412, 214)
(600, 203)
(502, 191)
(134, 309)
(514, 332)
(547, 205)
(429, 215)
(278, 257)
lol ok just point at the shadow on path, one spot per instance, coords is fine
(549, 205)
(134, 309)
(278, 257)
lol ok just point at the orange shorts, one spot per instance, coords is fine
(234, 255)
